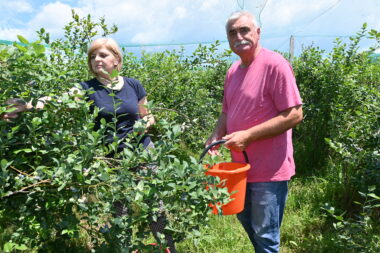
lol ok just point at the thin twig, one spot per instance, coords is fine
(23, 190)
(19, 171)
(172, 110)
(109, 161)
(106, 159)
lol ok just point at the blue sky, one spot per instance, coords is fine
(147, 22)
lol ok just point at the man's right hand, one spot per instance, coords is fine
(214, 150)
(217, 134)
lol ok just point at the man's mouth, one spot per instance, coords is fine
(241, 43)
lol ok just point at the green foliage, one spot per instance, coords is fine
(342, 108)
(187, 89)
(58, 183)
(339, 138)
(357, 234)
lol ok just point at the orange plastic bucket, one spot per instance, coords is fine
(235, 175)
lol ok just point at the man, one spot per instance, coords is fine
(260, 106)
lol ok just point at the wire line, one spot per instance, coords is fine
(312, 20)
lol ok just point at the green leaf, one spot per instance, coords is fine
(36, 121)
(4, 164)
(8, 246)
(371, 188)
(114, 74)
(21, 247)
(139, 196)
(61, 186)
(374, 196)
(25, 150)
(38, 48)
(104, 176)
(21, 48)
(22, 39)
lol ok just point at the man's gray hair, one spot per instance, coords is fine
(239, 14)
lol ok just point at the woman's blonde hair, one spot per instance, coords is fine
(111, 45)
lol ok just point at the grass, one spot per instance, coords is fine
(305, 226)
(225, 234)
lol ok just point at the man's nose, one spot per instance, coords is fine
(239, 36)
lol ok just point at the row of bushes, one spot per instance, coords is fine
(57, 184)
(56, 179)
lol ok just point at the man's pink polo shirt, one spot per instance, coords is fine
(253, 95)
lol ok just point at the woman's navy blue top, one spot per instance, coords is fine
(122, 104)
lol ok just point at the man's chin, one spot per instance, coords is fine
(240, 50)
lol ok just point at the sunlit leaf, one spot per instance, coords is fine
(22, 39)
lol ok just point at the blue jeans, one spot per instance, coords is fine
(262, 214)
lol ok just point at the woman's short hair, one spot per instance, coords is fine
(111, 45)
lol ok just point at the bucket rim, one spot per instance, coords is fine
(245, 168)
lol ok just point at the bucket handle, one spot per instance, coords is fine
(217, 143)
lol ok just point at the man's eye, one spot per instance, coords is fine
(232, 33)
(244, 30)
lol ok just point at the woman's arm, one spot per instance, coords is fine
(145, 113)
(40, 103)
(22, 106)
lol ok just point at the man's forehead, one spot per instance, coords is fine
(240, 22)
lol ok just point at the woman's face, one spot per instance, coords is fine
(103, 60)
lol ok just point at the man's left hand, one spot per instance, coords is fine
(237, 141)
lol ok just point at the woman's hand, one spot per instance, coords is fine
(20, 105)
(145, 114)
(15, 106)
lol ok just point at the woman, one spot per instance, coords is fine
(120, 97)
(104, 57)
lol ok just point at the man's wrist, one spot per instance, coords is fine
(250, 133)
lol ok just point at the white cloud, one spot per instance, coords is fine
(180, 12)
(19, 6)
(210, 5)
(282, 13)
(168, 21)
(373, 20)
(53, 17)
(10, 12)
(143, 21)
(11, 33)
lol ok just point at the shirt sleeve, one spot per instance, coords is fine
(84, 85)
(139, 89)
(284, 90)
